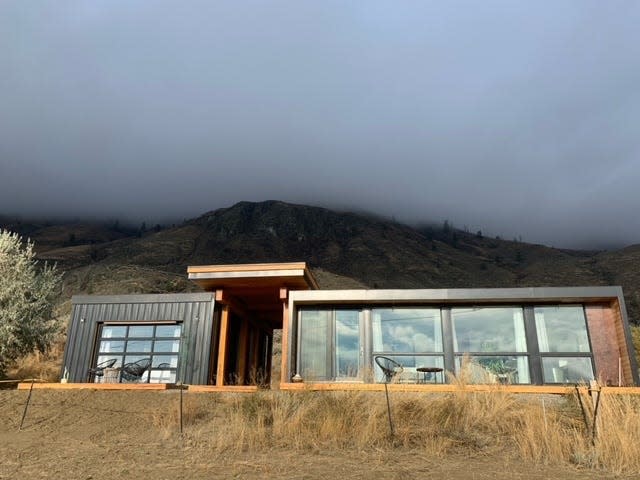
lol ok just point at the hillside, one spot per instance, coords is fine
(344, 250)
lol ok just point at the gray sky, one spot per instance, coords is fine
(520, 120)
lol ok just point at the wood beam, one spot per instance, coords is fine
(284, 373)
(222, 345)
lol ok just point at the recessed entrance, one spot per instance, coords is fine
(251, 302)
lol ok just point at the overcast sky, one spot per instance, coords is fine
(520, 120)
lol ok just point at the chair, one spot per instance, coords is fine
(132, 372)
(389, 367)
(98, 370)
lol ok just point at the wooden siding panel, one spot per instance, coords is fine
(605, 324)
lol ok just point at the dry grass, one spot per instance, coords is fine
(42, 366)
(542, 430)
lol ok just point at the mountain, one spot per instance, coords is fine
(345, 250)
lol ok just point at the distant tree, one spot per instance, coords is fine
(157, 228)
(27, 295)
(446, 226)
(479, 234)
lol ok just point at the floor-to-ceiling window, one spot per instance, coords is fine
(564, 344)
(410, 336)
(329, 344)
(516, 344)
(494, 339)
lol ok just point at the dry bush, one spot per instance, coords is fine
(617, 448)
(41, 366)
(194, 412)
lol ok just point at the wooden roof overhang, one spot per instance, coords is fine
(293, 276)
(258, 289)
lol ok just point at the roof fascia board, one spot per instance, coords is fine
(143, 298)
(484, 295)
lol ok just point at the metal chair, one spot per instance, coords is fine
(132, 372)
(389, 367)
(98, 370)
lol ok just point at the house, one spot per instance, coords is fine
(348, 338)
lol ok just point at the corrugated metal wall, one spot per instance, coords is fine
(193, 310)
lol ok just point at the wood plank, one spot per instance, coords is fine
(224, 388)
(441, 388)
(284, 349)
(247, 267)
(96, 386)
(222, 345)
(242, 351)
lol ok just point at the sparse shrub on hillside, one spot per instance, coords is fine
(27, 296)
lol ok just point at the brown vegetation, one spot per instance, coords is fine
(448, 433)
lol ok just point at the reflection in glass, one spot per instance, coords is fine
(139, 346)
(504, 369)
(407, 330)
(410, 374)
(488, 329)
(562, 329)
(164, 361)
(166, 346)
(347, 343)
(168, 331)
(567, 369)
(141, 331)
(105, 358)
(162, 376)
(314, 344)
(110, 346)
(110, 331)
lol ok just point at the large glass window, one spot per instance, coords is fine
(486, 335)
(562, 329)
(131, 343)
(329, 344)
(412, 337)
(566, 369)
(407, 330)
(497, 343)
(488, 329)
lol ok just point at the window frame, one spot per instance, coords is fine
(173, 371)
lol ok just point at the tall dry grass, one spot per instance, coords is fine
(548, 430)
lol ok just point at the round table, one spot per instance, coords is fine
(428, 371)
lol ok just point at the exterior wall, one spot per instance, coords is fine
(605, 344)
(194, 311)
(606, 319)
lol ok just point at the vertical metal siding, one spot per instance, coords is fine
(194, 311)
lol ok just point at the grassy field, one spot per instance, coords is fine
(134, 434)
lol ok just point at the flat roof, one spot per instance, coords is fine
(461, 295)
(293, 275)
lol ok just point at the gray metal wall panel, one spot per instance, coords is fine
(194, 311)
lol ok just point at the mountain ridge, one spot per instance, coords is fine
(346, 249)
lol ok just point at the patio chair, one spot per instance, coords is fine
(98, 370)
(389, 367)
(132, 372)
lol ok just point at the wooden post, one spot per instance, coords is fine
(284, 366)
(222, 345)
(242, 351)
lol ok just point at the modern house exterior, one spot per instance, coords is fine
(336, 338)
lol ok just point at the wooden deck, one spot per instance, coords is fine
(448, 388)
(335, 387)
(138, 386)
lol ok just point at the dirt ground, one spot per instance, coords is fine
(94, 435)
